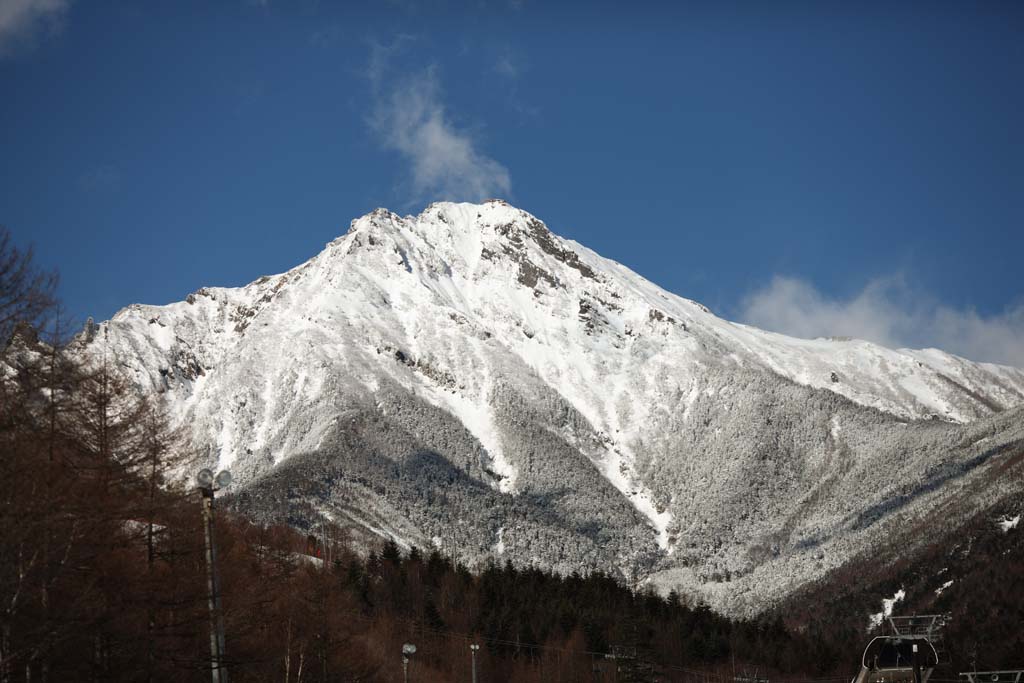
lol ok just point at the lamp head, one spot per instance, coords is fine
(408, 649)
(204, 478)
(223, 479)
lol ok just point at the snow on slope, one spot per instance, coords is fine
(458, 303)
(417, 284)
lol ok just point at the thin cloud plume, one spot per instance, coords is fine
(889, 312)
(21, 21)
(409, 116)
(507, 66)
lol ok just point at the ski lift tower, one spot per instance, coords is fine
(907, 655)
(930, 626)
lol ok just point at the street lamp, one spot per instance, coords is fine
(208, 484)
(473, 647)
(204, 478)
(408, 650)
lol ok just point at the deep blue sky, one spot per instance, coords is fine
(149, 149)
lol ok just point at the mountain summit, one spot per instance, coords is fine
(466, 379)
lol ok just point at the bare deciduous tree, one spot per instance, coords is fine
(27, 293)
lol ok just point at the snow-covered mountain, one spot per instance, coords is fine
(466, 378)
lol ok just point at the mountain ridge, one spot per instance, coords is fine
(518, 344)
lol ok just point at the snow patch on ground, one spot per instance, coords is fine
(691, 398)
(834, 428)
(887, 606)
(475, 415)
(617, 472)
(938, 591)
(499, 547)
(303, 558)
(225, 446)
(1008, 523)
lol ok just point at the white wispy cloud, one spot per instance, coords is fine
(22, 20)
(507, 65)
(889, 312)
(409, 116)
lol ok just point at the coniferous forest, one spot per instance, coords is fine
(103, 573)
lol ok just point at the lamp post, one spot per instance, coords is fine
(208, 484)
(473, 647)
(408, 650)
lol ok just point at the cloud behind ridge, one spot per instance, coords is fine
(889, 312)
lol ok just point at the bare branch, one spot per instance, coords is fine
(27, 294)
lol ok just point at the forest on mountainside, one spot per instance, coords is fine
(103, 574)
(971, 574)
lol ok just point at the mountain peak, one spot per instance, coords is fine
(484, 217)
(528, 378)
(458, 240)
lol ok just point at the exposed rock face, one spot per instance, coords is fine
(467, 379)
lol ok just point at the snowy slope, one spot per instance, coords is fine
(478, 320)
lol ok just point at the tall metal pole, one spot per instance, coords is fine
(472, 649)
(217, 669)
(408, 650)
